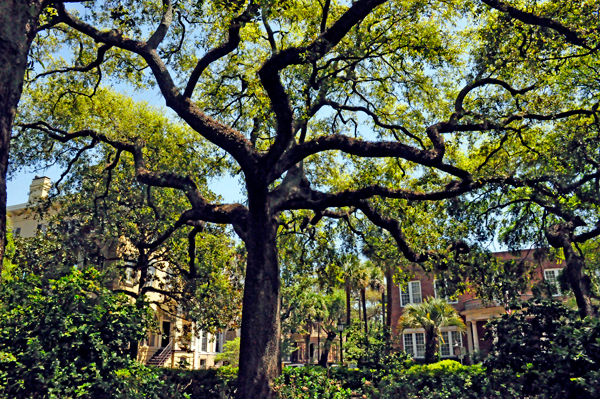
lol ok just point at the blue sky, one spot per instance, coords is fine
(18, 188)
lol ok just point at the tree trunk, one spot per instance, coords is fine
(18, 27)
(389, 279)
(307, 341)
(348, 305)
(559, 236)
(389, 286)
(259, 352)
(325, 354)
(431, 345)
(579, 283)
(383, 309)
(363, 295)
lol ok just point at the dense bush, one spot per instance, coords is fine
(216, 383)
(69, 338)
(547, 349)
(445, 379)
(310, 383)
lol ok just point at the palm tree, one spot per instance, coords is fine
(432, 314)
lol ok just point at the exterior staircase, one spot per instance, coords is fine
(161, 356)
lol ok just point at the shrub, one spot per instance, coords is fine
(310, 383)
(445, 379)
(214, 383)
(69, 337)
(231, 353)
(547, 349)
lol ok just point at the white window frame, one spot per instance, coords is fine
(413, 296)
(203, 342)
(129, 276)
(411, 347)
(435, 291)
(556, 272)
(453, 336)
(150, 276)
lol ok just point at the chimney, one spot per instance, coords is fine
(39, 189)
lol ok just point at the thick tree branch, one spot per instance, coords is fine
(325, 15)
(94, 64)
(395, 229)
(588, 235)
(368, 149)
(458, 104)
(269, 72)
(319, 201)
(223, 136)
(233, 41)
(143, 175)
(165, 23)
(570, 35)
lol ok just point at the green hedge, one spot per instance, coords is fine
(447, 379)
(216, 383)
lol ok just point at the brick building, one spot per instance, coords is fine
(474, 311)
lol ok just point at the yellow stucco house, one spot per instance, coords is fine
(172, 345)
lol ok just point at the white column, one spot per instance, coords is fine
(194, 346)
(475, 336)
(469, 337)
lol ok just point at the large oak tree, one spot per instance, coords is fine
(327, 107)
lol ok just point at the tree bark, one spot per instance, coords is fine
(325, 354)
(18, 27)
(307, 347)
(559, 236)
(348, 305)
(383, 309)
(431, 345)
(389, 279)
(260, 315)
(363, 295)
(579, 283)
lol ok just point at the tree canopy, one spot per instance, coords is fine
(330, 108)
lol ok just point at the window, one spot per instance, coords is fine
(441, 294)
(129, 273)
(411, 293)
(204, 337)
(79, 260)
(218, 342)
(169, 279)
(414, 344)
(202, 362)
(551, 276)
(448, 341)
(152, 339)
(150, 276)
(17, 232)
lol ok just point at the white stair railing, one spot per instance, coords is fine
(166, 352)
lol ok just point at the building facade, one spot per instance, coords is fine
(175, 344)
(474, 311)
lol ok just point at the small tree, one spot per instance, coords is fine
(431, 315)
(231, 353)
